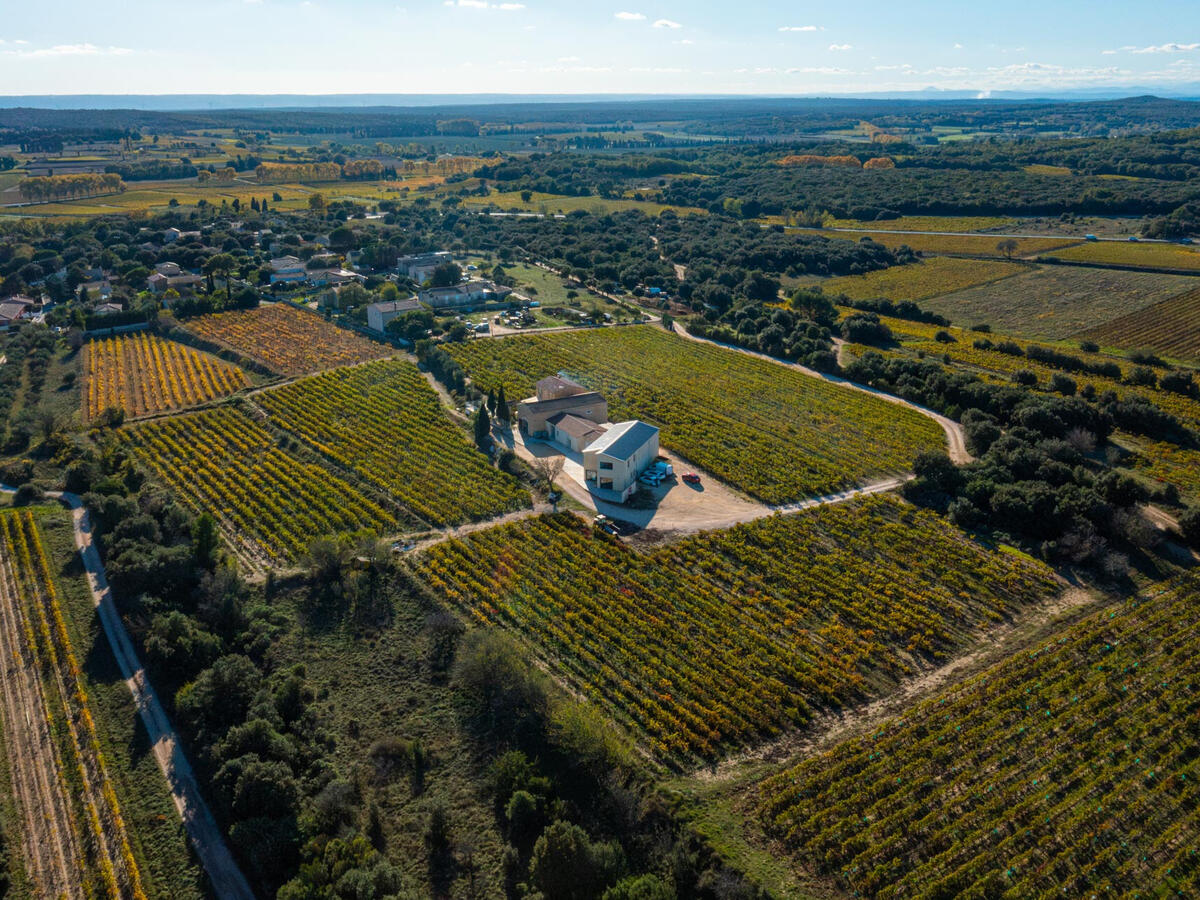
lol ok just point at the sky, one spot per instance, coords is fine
(594, 46)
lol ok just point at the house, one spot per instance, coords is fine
(573, 432)
(105, 309)
(101, 288)
(379, 314)
(163, 279)
(613, 461)
(171, 235)
(333, 276)
(557, 395)
(419, 267)
(287, 270)
(11, 312)
(469, 293)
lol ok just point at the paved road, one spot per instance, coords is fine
(227, 879)
(957, 444)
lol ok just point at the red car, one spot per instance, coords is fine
(691, 477)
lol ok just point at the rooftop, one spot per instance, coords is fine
(622, 439)
(575, 426)
(397, 306)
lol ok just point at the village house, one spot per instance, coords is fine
(379, 314)
(287, 270)
(419, 267)
(469, 293)
(169, 275)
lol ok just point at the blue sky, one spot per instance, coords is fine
(535, 46)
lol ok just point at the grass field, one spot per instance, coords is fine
(142, 374)
(732, 636)
(1127, 253)
(1171, 327)
(384, 422)
(1055, 302)
(958, 244)
(286, 339)
(549, 204)
(271, 505)
(925, 223)
(921, 280)
(1068, 770)
(772, 432)
(1043, 169)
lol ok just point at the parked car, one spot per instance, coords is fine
(691, 478)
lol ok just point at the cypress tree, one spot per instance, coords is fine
(483, 429)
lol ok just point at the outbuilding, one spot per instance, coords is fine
(613, 462)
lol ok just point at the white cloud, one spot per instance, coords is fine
(84, 49)
(958, 46)
(837, 48)
(569, 59)
(630, 17)
(685, 42)
(666, 23)
(483, 4)
(1165, 48)
(799, 28)
(819, 70)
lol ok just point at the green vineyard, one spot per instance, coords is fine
(271, 505)
(384, 422)
(1069, 770)
(1171, 327)
(731, 636)
(773, 432)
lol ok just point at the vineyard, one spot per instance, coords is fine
(1069, 770)
(1122, 253)
(926, 223)
(1055, 302)
(773, 432)
(286, 339)
(729, 637)
(94, 828)
(917, 281)
(143, 374)
(385, 423)
(1171, 327)
(271, 505)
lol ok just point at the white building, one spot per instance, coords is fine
(379, 314)
(419, 266)
(613, 462)
(469, 293)
(288, 270)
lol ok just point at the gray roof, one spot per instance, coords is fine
(396, 306)
(575, 426)
(534, 405)
(623, 439)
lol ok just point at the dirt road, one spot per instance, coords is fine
(956, 442)
(227, 879)
(53, 858)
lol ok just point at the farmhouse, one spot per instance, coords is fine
(469, 293)
(419, 267)
(379, 314)
(613, 461)
(557, 396)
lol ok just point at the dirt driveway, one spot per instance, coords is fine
(681, 507)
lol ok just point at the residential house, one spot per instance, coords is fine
(419, 267)
(554, 396)
(466, 294)
(169, 275)
(288, 270)
(379, 314)
(11, 313)
(613, 461)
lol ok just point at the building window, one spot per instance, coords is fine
(605, 465)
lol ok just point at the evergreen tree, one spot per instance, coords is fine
(491, 401)
(502, 411)
(483, 429)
